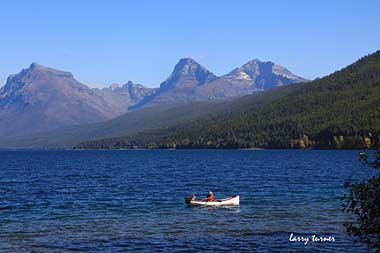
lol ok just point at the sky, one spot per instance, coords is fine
(103, 42)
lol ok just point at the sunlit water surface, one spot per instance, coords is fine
(114, 201)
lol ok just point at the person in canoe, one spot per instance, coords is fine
(209, 197)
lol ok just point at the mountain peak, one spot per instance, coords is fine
(114, 86)
(188, 73)
(255, 60)
(263, 75)
(185, 64)
(130, 82)
(41, 68)
(36, 65)
(37, 76)
(38, 68)
(187, 60)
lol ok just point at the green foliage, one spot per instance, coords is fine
(363, 201)
(338, 111)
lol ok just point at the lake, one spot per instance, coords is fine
(115, 201)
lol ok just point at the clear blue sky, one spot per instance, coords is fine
(115, 41)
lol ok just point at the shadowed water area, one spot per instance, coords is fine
(114, 201)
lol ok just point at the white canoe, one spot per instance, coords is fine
(230, 201)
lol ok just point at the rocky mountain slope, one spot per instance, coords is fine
(40, 99)
(191, 82)
(262, 75)
(341, 110)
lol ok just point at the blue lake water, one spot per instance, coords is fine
(114, 201)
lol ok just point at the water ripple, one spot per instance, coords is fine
(114, 201)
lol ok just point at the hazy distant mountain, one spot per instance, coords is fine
(190, 82)
(262, 75)
(187, 73)
(133, 92)
(251, 77)
(180, 87)
(41, 98)
(341, 110)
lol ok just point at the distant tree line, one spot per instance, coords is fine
(341, 110)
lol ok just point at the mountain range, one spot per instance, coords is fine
(341, 110)
(191, 82)
(40, 99)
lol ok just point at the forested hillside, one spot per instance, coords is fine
(341, 110)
